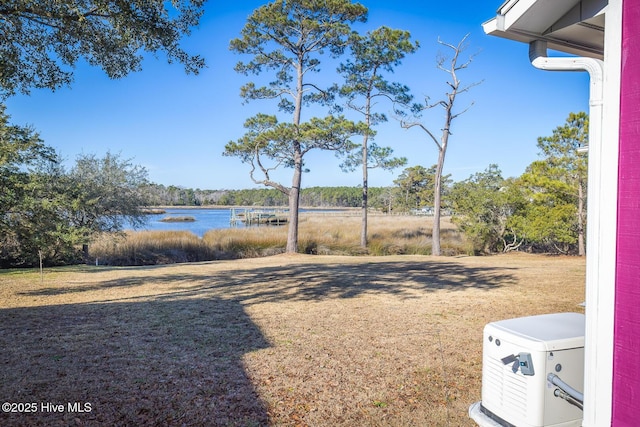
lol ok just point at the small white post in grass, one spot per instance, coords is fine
(41, 270)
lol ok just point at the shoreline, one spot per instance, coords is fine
(218, 207)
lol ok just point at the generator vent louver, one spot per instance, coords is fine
(508, 389)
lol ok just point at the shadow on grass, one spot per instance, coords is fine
(309, 282)
(170, 361)
(175, 357)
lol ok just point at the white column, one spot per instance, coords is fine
(601, 234)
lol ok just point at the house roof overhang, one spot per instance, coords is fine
(572, 26)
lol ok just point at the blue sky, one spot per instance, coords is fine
(177, 125)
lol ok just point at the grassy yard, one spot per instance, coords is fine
(287, 340)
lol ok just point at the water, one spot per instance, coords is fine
(205, 220)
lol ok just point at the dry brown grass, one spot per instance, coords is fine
(337, 234)
(283, 341)
(151, 248)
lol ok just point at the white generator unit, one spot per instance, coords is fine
(532, 372)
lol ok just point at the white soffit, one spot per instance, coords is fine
(572, 26)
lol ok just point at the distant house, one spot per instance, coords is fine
(423, 211)
(604, 36)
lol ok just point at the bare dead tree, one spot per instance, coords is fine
(450, 65)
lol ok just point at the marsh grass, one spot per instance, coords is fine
(178, 219)
(150, 248)
(319, 234)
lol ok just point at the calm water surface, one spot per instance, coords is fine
(205, 220)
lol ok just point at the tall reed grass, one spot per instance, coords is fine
(150, 248)
(320, 234)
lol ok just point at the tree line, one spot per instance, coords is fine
(328, 197)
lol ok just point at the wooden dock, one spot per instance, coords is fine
(252, 217)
